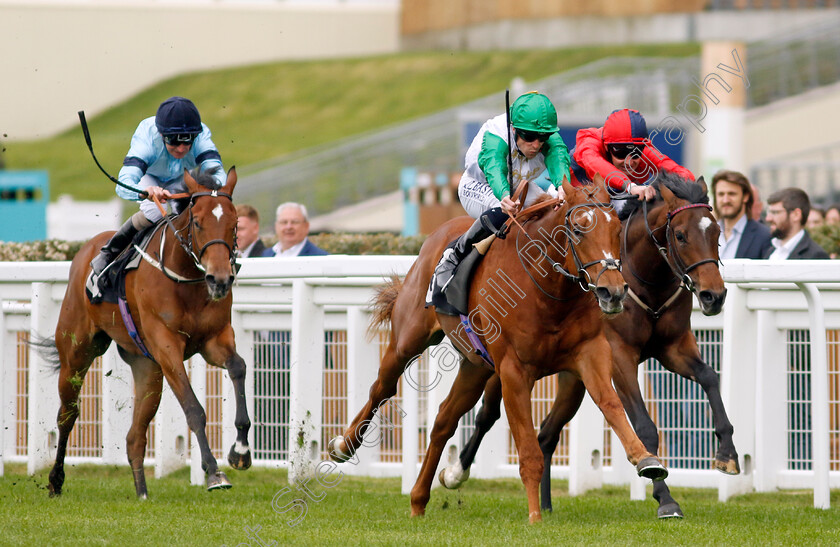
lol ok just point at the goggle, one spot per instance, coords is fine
(179, 139)
(531, 136)
(621, 151)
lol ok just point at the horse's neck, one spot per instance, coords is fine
(174, 255)
(551, 231)
(643, 258)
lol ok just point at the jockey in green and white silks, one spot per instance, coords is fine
(485, 180)
(485, 190)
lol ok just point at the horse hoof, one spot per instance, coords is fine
(670, 511)
(217, 481)
(337, 450)
(728, 467)
(454, 476)
(239, 459)
(651, 468)
(55, 492)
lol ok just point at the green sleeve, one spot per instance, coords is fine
(556, 159)
(493, 162)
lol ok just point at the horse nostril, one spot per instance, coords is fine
(602, 293)
(210, 279)
(706, 297)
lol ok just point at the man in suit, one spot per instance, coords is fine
(787, 211)
(248, 240)
(292, 229)
(740, 236)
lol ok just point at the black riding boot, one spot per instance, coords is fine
(463, 256)
(118, 242)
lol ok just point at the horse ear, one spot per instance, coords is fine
(667, 195)
(192, 185)
(231, 181)
(702, 182)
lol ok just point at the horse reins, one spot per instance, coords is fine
(187, 245)
(678, 268)
(583, 279)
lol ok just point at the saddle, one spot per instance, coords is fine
(111, 283)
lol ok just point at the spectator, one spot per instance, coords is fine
(248, 232)
(740, 236)
(757, 207)
(816, 218)
(832, 215)
(787, 210)
(292, 229)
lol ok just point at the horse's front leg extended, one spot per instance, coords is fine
(683, 358)
(595, 368)
(516, 393)
(221, 352)
(169, 352)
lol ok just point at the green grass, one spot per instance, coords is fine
(99, 508)
(264, 111)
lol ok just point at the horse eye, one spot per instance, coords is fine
(680, 237)
(197, 225)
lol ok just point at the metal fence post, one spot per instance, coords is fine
(362, 367)
(117, 406)
(771, 403)
(586, 448)
(43, 395)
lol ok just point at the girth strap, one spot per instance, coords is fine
(131, 327)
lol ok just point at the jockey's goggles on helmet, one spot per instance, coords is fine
(621, 151)
(531, 136)
(179, 139)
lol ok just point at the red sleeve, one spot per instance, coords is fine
(590, 154)
(664, 163)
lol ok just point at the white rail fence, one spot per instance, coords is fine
(300, 326)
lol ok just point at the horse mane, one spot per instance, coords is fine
(683, 188)
(205, 178)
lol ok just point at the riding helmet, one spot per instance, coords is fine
(625, 126)
(533, 111)
(177, 115)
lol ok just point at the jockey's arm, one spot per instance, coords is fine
(493, 163)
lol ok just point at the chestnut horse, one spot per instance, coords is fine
(663, 265)
(531, 312)
(181, 305)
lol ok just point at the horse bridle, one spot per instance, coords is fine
(187, 244)
(583, 279)
(677, 266)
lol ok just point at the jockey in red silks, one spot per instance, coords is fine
(622, 154)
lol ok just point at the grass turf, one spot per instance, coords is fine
(98, 507)
(263, 111)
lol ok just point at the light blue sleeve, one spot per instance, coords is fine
(141, 155)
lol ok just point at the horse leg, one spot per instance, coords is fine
(76, 353)
(491, 410)
(516, 392)
(169, 351)
(404, 347)
(220, 351)
(570, 392)
(465, 392)
(595, 367)
(148, 388)
(683, 358)
(625, 377)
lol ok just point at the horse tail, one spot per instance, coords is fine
(383, 304)
(47, 349)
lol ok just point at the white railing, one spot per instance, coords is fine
(300, 326)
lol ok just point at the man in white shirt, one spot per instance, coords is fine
(787, 210)
(292, 229)
(248, 240)
(740, 236)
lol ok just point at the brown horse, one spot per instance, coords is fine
(531, 312)
(180, 306)
(663, 266)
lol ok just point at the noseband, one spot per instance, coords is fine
(677, 265)
(187, 244)
(583, 279)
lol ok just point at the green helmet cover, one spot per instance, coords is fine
(534, 112)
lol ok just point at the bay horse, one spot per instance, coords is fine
(663, 266)
(531, 312)
(180, 306)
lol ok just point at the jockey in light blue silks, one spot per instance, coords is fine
(161, 148)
